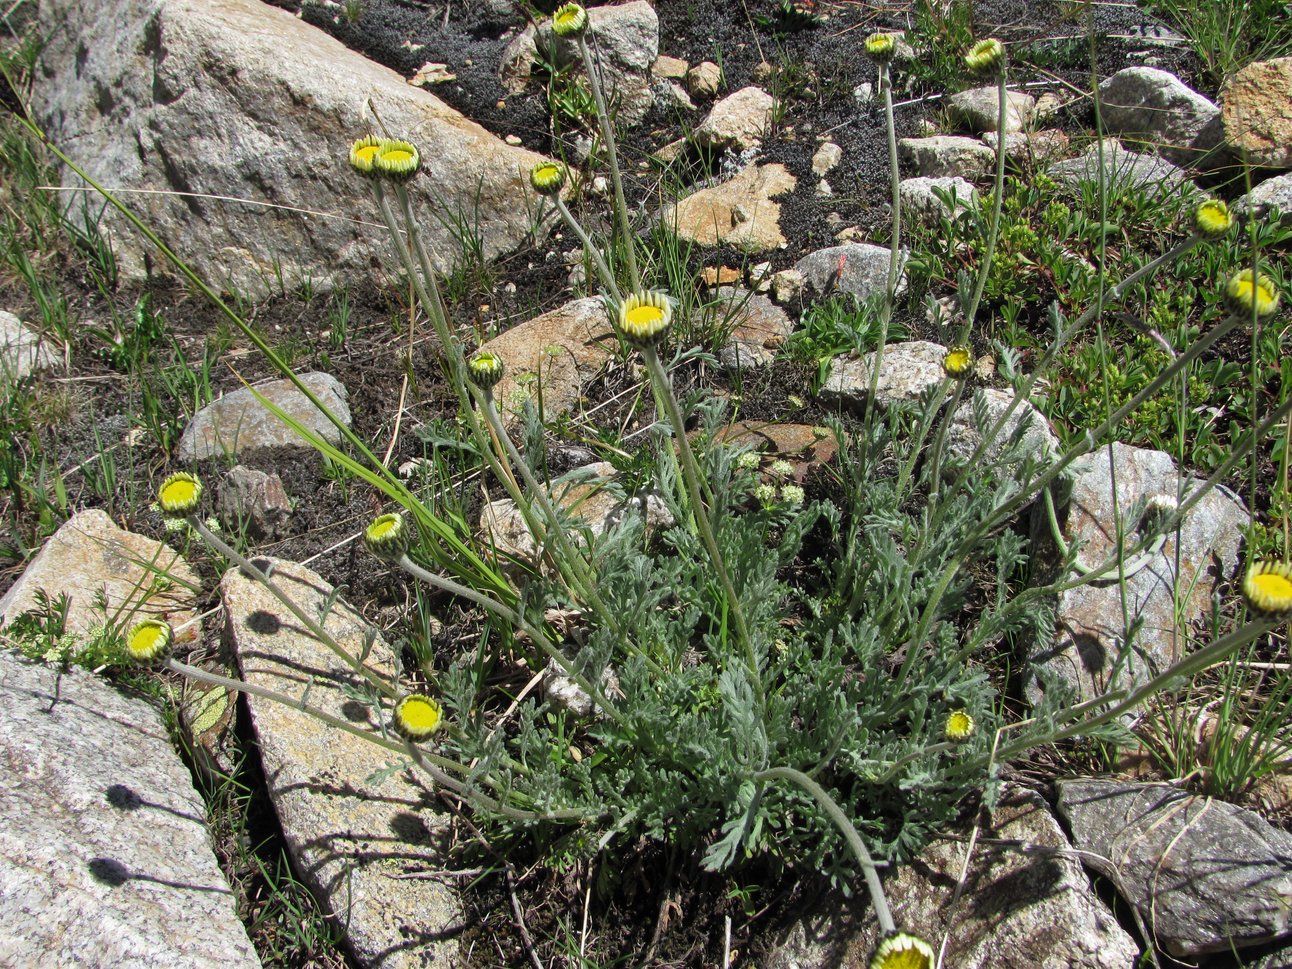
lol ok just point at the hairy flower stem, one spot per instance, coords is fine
(850, 835)
(598, 260)
(568, 557)
(894, 241)
(315, 628)
(1129, 566)
(691, 476)
(516, 619)
(608, 135)
(993, 228)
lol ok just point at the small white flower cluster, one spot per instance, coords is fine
(176, 525)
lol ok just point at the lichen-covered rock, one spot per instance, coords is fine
(1206, 876)
(739, 212)
(947, 155)
(1256, 113)
(104, 855)
(353, 839)
(1155, 108)
(978, 109)
(854, 267)
(920, 198)
(906, 371)
(738, 121)
(1123, 170)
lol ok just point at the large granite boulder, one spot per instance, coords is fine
(738, 212)
(192, 99)
(104, 857)
(1256, 113)
(1157, 109)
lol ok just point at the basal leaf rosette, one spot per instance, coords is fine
(387, 537)
(644, 318)
(363, 155)
(1268, 587)
(418, 716)
(902, 950)
(1248, 292)
(180, 494)
(1212, 219)
(569, 20)
(547, 178)
(987, 57)
(148, 641)
(397, 160)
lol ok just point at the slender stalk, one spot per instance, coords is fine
(849, 831)
(993, 228)
(895, 238)
(315, 628)
(691, 475)
(1130, 566)
(608, 135)
(598, 260)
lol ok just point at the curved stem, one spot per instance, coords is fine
(315, 628)
(850, 835)
(598, 260)
(993, 229)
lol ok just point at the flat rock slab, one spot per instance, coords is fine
(104, 855)
(21, 350)
(756, 327)
(738, 121)
(947, 156)
(549, 358)
(804, 446)
(1089, 637)
(238, 99)
(738, 212)
(90, 559)
(1122, 171)
(979, 109)
(854, 267)
(1205, 875)
(906, 371)
(1026, 905)
(1155, 108)
(238, 422)
(1256, 113)
(354, 841)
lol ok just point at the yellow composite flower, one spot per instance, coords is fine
(149, 640)
(1246, 292)
(417, 716)
(1212, 219)
(397, 160)
(960, 726)
(986, 57)
(644, 318)
(180, 494)
(387, 536)
(881, 47)
(901, 950)
(485, 368)
(1268, 587)
(363, 155)
(547, 178)
(958, 362)
(569, 20)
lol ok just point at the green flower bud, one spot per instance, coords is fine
(387, 536)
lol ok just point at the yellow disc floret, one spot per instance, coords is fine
(986, 57)
(387, 536)
(417, 716)
(363, 155)
(644, 318)
(149, 640)
(1268, 587)
(958, 362)
(180, 494)
(1248, 293)
(547, 178)
(569, 20)
(881, 47)
(397, 160)
(1212, 219)
(901, 950)
(960, 726)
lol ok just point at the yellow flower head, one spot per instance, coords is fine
(397, 160)
(149, 640)
(1212, 219)
(547, 178)
(1246, 293)
(644, 318)
(363, 155)
(485, 368)
(569, 20)
(881, 47)
(418, 716)
(958, 362)
(180, 494)
(901, 950)
(960, 726)
(986, 57)
(387, 536)
(1268, 587)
